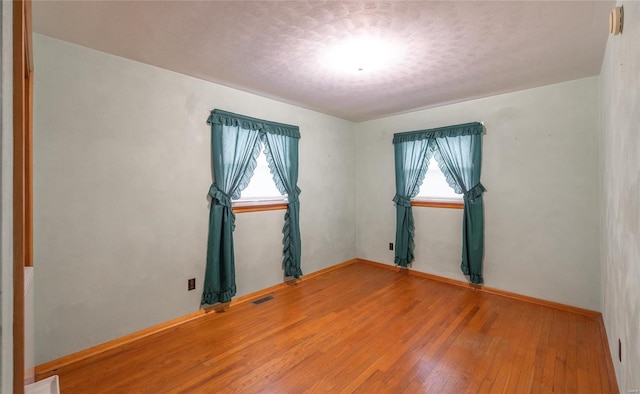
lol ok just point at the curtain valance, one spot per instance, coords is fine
(448, 131)
(225, 118)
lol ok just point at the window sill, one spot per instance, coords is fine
(438, 204)
(257, 206)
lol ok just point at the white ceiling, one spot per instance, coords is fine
(453, 51)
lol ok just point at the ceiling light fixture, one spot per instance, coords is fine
(363, 54)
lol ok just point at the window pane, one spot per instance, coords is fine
(261, 186)
(435, 184)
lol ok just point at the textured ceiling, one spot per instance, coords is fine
(449, 51)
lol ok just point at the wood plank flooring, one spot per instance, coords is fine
(362, 329)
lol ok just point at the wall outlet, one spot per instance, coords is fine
(191, 284)
(390, 245)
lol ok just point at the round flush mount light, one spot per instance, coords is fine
(363, 55)
(616, 20)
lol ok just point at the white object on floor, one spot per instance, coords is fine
(49, 385)
(29, 327)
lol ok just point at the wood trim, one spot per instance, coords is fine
(611, 372)
(28, 170)
(50, 367)
(328, 269)
(437, 204)
(539, 301)
(22, 176)
(28, 39)
(257, 207)
(292, 282)
(490, 290)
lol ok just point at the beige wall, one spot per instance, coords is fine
(122, 170)
(6, 197)
(620, 79)
(540, 166)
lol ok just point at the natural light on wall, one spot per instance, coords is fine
(435, 186)
(364, 55)
(262, 187)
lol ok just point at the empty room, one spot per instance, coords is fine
(311, 196)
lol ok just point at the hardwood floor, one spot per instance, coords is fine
(362, 329)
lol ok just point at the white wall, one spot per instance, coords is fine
(540, 168)
(121, 175)
(6, 197)
(620, 79)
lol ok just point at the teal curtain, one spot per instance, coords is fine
(460, 159)
(282, 155)
(411, 163)
(458, 150)
(235, 146)
(234, 154)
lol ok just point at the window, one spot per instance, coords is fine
(261, 194)
(435, 191)
(463, 145)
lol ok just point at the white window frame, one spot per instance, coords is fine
(260, 203)
(426, 200)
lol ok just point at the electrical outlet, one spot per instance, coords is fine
(191, 284)
(390, 245)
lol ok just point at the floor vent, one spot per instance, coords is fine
(263, 299)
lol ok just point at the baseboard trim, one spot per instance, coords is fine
(490, 290)
(49, 368)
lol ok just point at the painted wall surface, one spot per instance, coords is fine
(540, 166)
(621, 190)
(122, 170)
(6, 197)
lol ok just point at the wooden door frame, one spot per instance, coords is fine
(22, 176)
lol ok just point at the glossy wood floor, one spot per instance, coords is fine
(362, 329)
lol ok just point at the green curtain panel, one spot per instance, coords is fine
(460, 159)
(282, 155)
(458, 151)
(235, 146)
(412, 162)
(234, 153)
